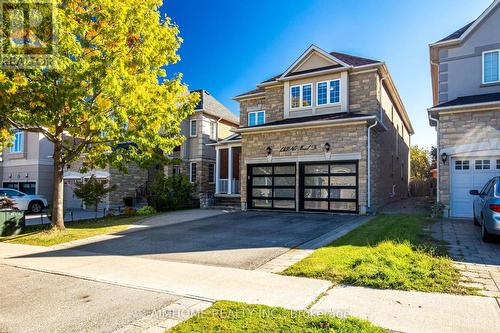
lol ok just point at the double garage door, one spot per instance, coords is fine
(330, 187)
(469, 173)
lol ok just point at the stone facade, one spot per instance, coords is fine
(463, 128)
(342, 139)
(390, 140)
(126, 183)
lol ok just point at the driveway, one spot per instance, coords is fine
(478, 261)
(244, 240)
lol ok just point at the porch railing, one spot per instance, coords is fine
(224, 186)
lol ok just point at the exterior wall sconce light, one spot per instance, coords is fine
(444, 158)
(27, 176)
(269, 152)
(10, 175)
(327, 148)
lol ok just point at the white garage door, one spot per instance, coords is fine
(470, 173)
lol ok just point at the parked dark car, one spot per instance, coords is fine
(486, 209)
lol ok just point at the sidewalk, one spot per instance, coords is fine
(396, 310)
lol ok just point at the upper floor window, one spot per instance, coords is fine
(18, 143)
(491, 66)
(256, 118)
(213, 130)
(328, 92)
(301, 96)
(192, 128)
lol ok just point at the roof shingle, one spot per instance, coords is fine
(474, 99)
(457, 34)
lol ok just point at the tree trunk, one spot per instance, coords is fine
(58, 187)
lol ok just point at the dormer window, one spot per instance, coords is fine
(491, 66)
(256, 118)
(301, 96)
(328, 92)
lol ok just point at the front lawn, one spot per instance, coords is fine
(239, 317)
(389, 252)
(42, 235)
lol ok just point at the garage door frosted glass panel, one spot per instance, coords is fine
(315, 193)
(284, 181)
(316, 181)
(284, 193)
(284, 170)
(316, 169)
(261, 170)
(262, 203)
(342, 193)
(318, 205)
(262, 192)
(343, 181)
(343, 168)
(284, 204)
(262, 181)
(347, 206)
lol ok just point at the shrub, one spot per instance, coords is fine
(170, 193)
(92, 191)
(129, 211)
(146, 210)
(6, 203)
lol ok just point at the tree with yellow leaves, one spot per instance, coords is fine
(107, 84)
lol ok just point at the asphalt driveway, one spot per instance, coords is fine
(242, 239)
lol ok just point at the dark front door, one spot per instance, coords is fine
(271, 186)
(331, 187)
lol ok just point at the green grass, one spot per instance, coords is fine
(389, 252)
(239, 317)
(42, 235)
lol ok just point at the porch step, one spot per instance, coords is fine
(227, 203)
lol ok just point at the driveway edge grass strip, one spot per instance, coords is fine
(42, 235)
(388, 252)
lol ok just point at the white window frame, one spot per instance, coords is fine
(211, 181)
(17, 133)
(191, 172)
(213, 130)
(191, 134)
(256, 113)
(328, 100)
(482, 66)
(301, 98)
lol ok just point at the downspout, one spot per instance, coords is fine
(381, 108)
(437, 156)
(369, 176)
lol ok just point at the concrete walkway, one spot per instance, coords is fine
(405, 311)
(395, 310)
(191, 280)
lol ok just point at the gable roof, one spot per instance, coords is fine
(221, 111)
(462, 33)
(342, 60)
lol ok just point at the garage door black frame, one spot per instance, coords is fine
(302, 187)
(250, 186)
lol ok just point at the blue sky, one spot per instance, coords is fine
(229, 46)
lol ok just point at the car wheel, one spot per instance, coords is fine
(485, 235)
(35, 207)
(476, 222)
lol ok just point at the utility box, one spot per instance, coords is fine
(11, 222)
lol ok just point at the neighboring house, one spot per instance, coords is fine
(465, 68)
(210, 122)
(329, 134)
(27, 166)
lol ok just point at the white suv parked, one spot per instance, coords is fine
(26, 202)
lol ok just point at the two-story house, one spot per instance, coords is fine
(28, 165)
(210, 122)
(465, 69)
(330, 133)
